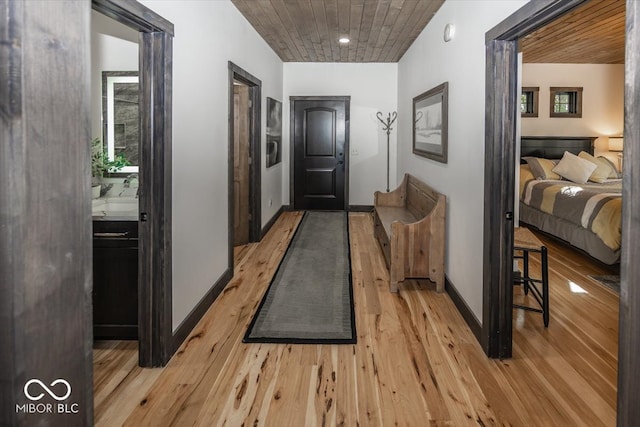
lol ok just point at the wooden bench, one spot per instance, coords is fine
(409, 224)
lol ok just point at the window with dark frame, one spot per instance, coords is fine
(529, 102)
(565, 102)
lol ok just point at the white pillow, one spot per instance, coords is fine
(574, 168)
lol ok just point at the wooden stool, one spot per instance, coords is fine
(525, 242)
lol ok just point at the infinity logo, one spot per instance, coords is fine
(47, 389)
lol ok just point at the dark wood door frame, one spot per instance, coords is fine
(629, 335)
(255, 137)
(500, 127)
(292, 101)
(156, 340)
(501, 110)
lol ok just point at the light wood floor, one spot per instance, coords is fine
(416, 362)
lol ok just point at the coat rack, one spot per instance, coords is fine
(391, 117)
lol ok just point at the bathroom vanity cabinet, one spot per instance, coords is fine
(115, 279)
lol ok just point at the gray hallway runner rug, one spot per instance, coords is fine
(310, 298)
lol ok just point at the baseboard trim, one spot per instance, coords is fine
(463, 308)
(360, 208)
(196, 314)
(270, 223)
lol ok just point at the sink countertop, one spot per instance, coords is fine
(95, 217)
(115, 209)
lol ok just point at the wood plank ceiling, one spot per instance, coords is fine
(308, 30)
(593, 33)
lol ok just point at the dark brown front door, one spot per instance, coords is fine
(320, 141)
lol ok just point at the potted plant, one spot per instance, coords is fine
(100, 165)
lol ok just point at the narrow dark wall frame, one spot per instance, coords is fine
(156, 344)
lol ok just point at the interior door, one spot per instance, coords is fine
(241, 123)
(320, 140)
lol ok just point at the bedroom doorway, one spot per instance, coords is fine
(501, 108)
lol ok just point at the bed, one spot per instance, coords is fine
(585, 215)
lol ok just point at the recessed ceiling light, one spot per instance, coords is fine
(344, 40)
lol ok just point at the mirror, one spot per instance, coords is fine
(120, 116)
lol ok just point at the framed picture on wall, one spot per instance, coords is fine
(430, 122)
(274, 132)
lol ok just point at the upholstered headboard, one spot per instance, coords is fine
(553, 147)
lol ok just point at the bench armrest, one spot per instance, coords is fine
(397, 197)
(418, 248)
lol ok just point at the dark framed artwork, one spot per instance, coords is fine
(430, 122)
(274, 132)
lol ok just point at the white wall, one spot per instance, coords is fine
(429, 62)
(114, 47)
(602, 101)
(207, 35)
(373, 88)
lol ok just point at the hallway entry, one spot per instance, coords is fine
(320, 135)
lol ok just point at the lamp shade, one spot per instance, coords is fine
(616, 143)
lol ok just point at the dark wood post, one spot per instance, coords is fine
(629, 341)
(45, 214)
(499, 196)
